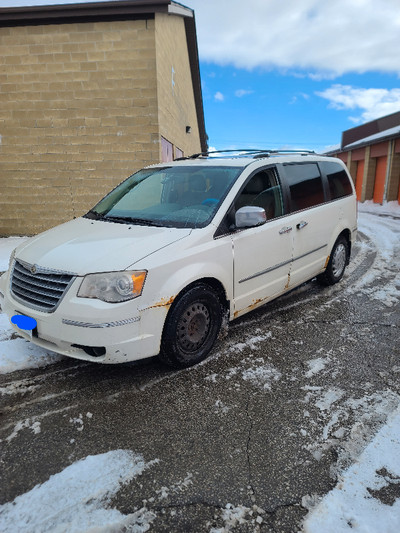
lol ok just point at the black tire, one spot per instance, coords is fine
(191, 327)
(338, 261)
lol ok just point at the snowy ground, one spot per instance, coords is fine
(78, 497)
(74, 499)
(6, 247)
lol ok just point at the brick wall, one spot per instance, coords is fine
(393, 190)
(78, 113)
(175, 91)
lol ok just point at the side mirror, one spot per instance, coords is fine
(250, 216)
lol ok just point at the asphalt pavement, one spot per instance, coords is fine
(246, 441)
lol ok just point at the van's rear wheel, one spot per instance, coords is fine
(337, 262)
(191, 327)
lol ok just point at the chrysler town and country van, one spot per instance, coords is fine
(156, 266)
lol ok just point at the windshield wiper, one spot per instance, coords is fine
(132, 220)
(94, 215)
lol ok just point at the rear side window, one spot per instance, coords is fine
(338, 180)
(305, 184)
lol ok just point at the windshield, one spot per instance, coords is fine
(181, 196)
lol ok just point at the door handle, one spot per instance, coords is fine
(302, 224)
(286, 229)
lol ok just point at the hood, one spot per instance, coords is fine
(85, 246)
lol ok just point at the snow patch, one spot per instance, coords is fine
(6, 329)
(251, 342)
(386, 209)
(77, 498)
(220, 407)
(347, 424)
(7, 245)
(33, 423)
(381, 281)
(239, 515)
(354, 504)
(18, 388)
(316, 365)
(328, 398)
(180, 486)
(20, 354)
(262, 376)
(78, 422)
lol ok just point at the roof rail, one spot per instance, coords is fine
(256, 153)
(277, 152)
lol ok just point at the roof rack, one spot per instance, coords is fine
(256, 153)
(267, 153)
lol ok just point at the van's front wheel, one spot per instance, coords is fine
(191, 327)
(337, 262)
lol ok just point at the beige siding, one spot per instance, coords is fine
(393, 190)
(78, 113)
(175, 91)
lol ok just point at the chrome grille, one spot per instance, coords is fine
(38, 287)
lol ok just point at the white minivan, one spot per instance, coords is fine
(155, 267)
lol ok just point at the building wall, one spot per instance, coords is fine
(375, 170)
(393, 186)
(175, 91)
(78, 113)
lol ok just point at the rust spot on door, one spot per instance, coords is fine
(254, 304)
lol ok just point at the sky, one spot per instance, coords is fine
(289, 74)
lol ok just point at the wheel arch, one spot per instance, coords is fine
(170, 351)
(213, 283)
(346, 233)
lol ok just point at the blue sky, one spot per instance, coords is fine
(289, 73)
(273, 110)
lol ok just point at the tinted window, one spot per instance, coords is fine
(338, 180)
(305, 185)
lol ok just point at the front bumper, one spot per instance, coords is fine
(79, 325)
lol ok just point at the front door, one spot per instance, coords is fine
(261, 255)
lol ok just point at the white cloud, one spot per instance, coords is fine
(295, 98)
(324, 38)
(242, 92)
(219, 97)
(372, 103)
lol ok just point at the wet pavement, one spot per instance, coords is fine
(249, 439)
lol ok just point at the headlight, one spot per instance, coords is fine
(113, 287)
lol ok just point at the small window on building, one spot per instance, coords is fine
(338, 180)
(167, 150)
(305, 184)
